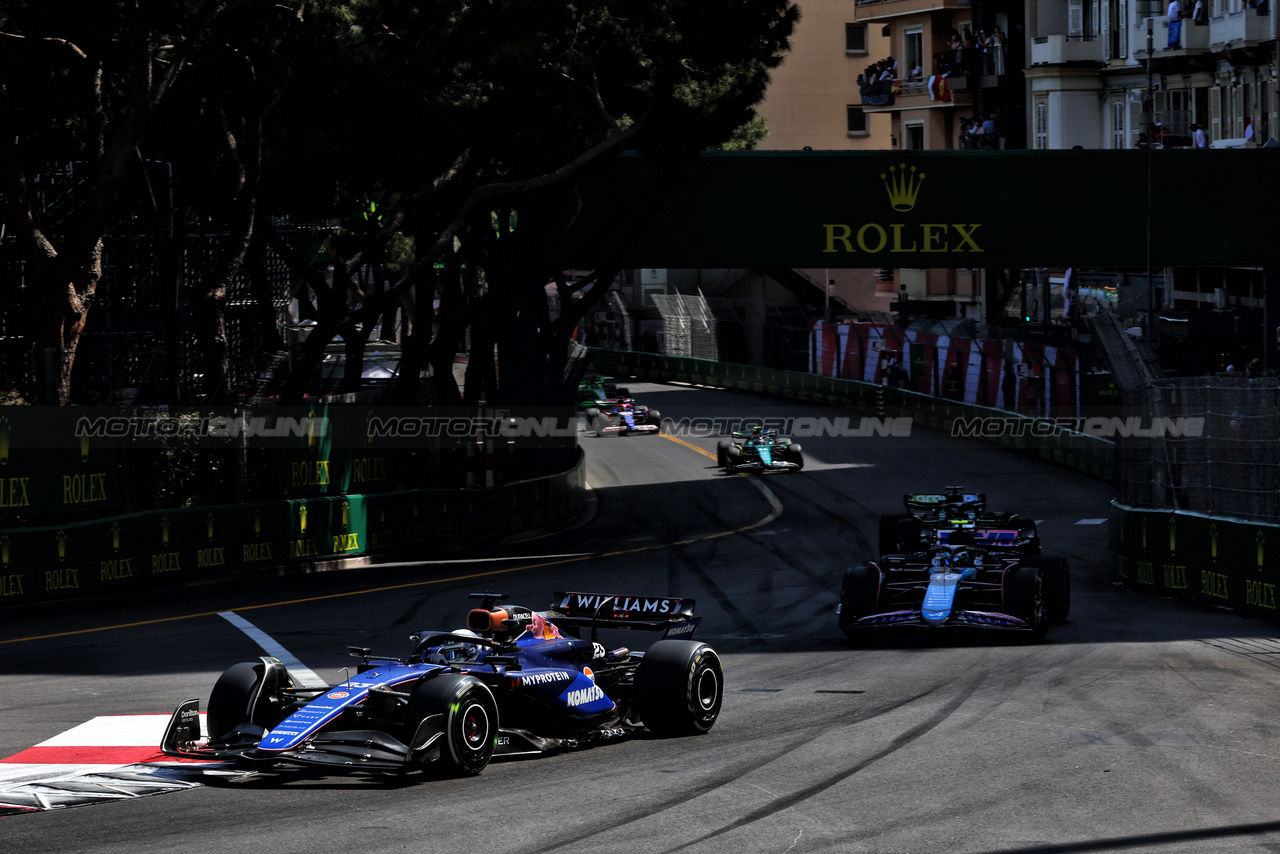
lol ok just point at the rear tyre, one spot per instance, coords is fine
(679, 687)
(733, 455)
(251, 692)
(468, 721)
(1057, 586)
(859, 597)
(1024, 597)
(655, 417)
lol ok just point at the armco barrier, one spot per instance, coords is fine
(1207, 559)
(1089, 454)
(121, 553)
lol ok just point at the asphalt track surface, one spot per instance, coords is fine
(1140, 725)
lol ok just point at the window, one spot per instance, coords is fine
(855, 38)
(857, 121)
(1173, 109)
(1119, 139)
(912, 55)
(913, 137)
(1042, 125)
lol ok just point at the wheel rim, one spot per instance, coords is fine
(475, 727)
(708, 689)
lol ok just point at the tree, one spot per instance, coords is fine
(80, 84)
(475, 120)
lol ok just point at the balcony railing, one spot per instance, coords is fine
(1193, 37)
(1246, 27)
(870, 10)
(1060, 50)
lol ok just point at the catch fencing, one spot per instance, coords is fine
(1232, 468)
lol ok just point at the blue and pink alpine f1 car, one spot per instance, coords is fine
(514, 682)
(956, 586)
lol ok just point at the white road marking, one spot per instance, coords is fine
(303, 675)
(1092, 522)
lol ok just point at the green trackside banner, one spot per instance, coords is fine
(1221, 561)
(923, 209)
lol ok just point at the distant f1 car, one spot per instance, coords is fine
(514, 682)
(598, 391)
(932, 517)
(623, 417)
(759, 449)
(955, 587)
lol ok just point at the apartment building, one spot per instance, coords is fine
(812, 99)
(1101, 72)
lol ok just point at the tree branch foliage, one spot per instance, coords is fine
(443, 134)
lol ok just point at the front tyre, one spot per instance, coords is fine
(462, 709)
(722, 452)
(252, 692)
(859, 597)
(1024, 596)
(679, 688)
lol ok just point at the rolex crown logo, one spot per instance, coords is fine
(903, 186)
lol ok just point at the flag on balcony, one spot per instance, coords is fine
(938, 90)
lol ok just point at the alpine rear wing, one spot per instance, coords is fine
(670, 614)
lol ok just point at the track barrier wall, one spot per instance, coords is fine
(142, 550)
(1214, 560)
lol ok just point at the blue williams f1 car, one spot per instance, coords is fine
(514, 682)
(958, 586)
(932, 517)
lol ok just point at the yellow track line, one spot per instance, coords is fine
(774, 512)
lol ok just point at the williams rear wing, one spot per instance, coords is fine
(669, 614)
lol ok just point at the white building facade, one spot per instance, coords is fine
(1089, 82)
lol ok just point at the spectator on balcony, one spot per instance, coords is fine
(1199, 137)
(989, 132)
(1200, 12)
(916, 72)
(1142, 141)
(995, 47)
(1157, 135)
(1175, 23)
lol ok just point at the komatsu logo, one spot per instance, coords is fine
(584, 695)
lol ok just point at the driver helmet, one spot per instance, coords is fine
(454, 653)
